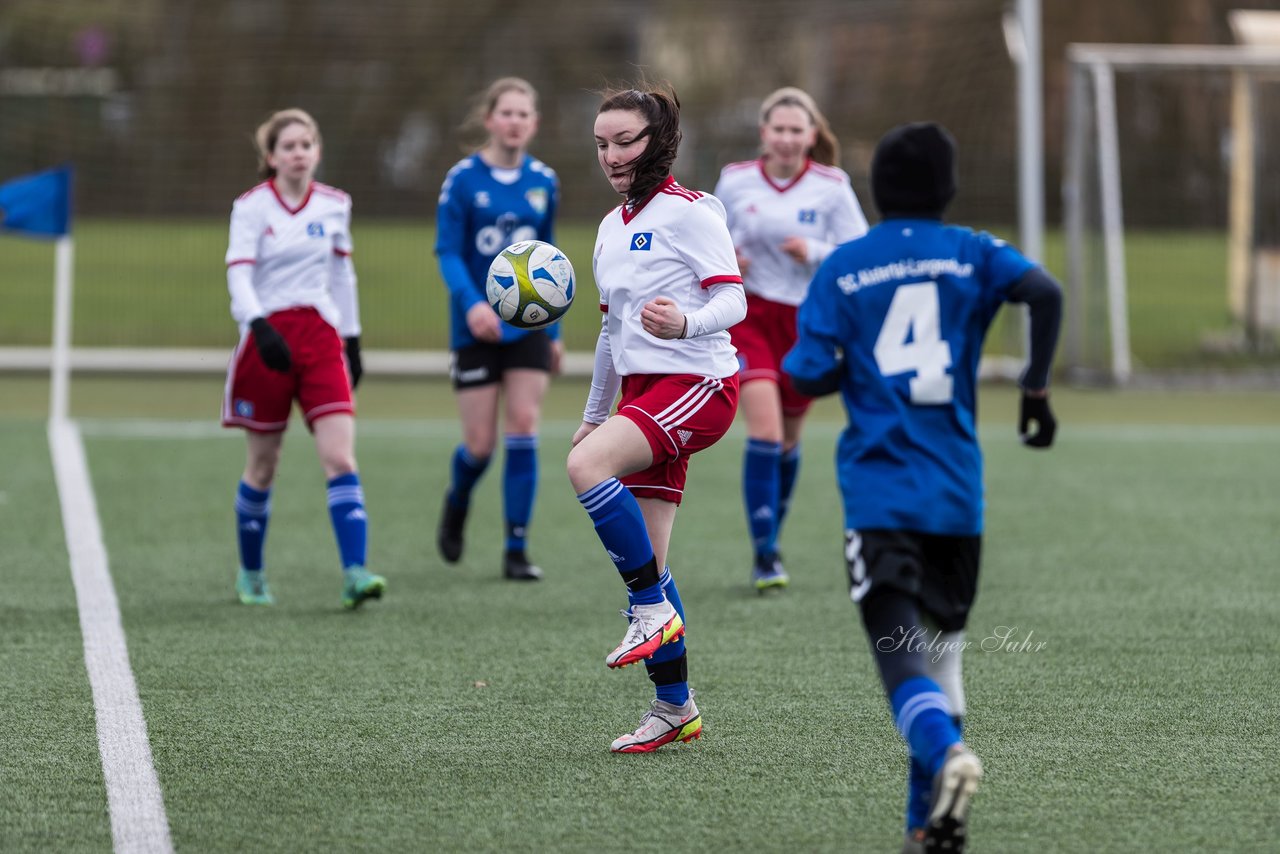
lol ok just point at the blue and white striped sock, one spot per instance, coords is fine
(923, 716)
(464, 471)
(620, 527)
(788, 473)
(519, 485)
(350, 524)
(760, 476)
(253, 511)
(676, 693)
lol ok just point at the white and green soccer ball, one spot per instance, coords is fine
(530, 284)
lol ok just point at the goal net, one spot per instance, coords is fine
(1171, 225)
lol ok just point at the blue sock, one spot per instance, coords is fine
(788, 471)
(519, 484)
(466, 470)
(923, 716)
(253, 511)
(620, 527)
(350, 524)
(920, 787)
(760, 482)
(676, 693)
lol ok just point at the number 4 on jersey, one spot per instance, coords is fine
(911, 340)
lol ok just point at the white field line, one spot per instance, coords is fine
(138, 819)
(553, 431)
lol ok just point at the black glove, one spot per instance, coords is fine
(353, 360)
(1036, 409)
(271, 347)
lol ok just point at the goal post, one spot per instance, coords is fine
(1097, 341)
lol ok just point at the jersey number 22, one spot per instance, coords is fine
(913, 314)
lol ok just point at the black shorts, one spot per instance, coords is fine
(940, 572)
(484, 364)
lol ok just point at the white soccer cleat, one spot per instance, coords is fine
(651, 626)
(953, 789)
(662, 724)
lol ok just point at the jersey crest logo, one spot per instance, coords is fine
(537, 199)
(685, 436)
(244, 408)
(641, 241)
(809, 216)
(482, 199)
(315, 229)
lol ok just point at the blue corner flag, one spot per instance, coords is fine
(38, 205)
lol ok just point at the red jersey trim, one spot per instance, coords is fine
(604, 307)
(635, 211)
(326, 190)
(720, 280)
(279, 198)
(341, 253)
(786, 185)
(249, 192)
(674, 189)
(242, 261)
(668, 187)
(830, 172)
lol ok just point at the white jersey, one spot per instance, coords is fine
(674, 244)
(818, 204)
(281, 257)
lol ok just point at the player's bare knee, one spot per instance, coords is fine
(523, 422)
(585, 470)
(337, 462)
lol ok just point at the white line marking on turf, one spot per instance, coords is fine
(138, 820)
(407, 428)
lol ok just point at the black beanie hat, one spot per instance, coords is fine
(913, 172)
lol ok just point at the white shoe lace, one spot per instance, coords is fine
(635, 629)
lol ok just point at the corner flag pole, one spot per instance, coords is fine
(39, 205)
(60, 361)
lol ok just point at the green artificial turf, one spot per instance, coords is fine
(464, 712)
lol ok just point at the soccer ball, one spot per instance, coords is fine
(530, 284)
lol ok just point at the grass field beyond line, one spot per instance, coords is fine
(163, 284)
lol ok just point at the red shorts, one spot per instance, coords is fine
(680, 414)
(763, 339)
(259, 399)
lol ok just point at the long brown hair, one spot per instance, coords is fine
(660, 108)
(472, 128)
(268, 134)
(825, 148)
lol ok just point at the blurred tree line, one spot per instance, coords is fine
(391, 81)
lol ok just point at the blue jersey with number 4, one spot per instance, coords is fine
(908, 305)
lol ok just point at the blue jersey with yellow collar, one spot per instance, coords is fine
(483, 210)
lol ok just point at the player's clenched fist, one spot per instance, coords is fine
(662, 318)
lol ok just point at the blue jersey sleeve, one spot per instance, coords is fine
(814, 363)
(451, 222)
(547, 233)
(1003, 265)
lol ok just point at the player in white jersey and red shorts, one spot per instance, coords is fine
(669, 289)
(787, 210)
(293, 293)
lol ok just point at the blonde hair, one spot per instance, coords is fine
(825, 148)
(268, 134)
(487, 101)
